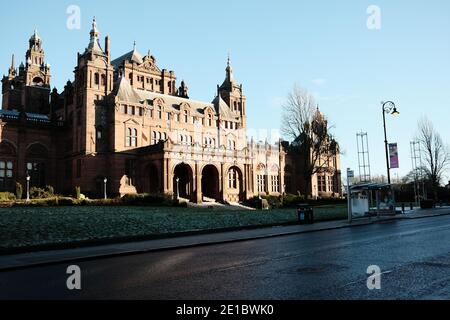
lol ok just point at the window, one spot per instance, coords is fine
(231, 144)
(103, 80)
(99, 134)
(210, 120)
(275, 184)
(131, 138)
(233, 178)
(6, 175)
(154, 137)
(186, 116)
(123, 109)
(261, 182)
(322, 184)
(97, 79)
(330, 184)
(159, 112)
(168, 116)
(36, 171)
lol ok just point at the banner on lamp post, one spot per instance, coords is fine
(393, 154)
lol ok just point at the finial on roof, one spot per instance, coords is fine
(134, 45)
(13, 62)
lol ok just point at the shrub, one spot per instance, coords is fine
(7, 196)
(50, 190)
(38, 193)
(147, 199)
(19, 191)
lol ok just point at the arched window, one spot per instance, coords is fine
(233, 178)
(134, 138)
(154, 137)
(128, 137)
(186, 116)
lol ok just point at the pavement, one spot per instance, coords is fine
(413, 256)
(42, 258)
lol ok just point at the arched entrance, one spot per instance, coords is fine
(235, 183)
(210, 183)
(183, 181)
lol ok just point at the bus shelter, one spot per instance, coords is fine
(372, 199)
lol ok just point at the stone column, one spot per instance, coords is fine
(198, 184)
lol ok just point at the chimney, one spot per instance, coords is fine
(107, 49)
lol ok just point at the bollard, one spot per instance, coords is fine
(403, 207)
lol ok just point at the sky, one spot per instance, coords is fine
(324, 46)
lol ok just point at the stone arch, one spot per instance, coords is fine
(235, 184)
(37, 150)
(7, 148)
(211, 182)
(183, 181)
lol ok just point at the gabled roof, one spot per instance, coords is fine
(126, 93)
(223, 109)
(132, 56)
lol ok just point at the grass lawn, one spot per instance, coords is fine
(28, 227)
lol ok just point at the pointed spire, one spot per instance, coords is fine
(12, 69)
(94, 30)
(134, 45)
(94, 44)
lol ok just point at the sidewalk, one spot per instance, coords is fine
(23, 260)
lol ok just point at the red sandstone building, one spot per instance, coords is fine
(126, 120)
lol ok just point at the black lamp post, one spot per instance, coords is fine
(388, 108)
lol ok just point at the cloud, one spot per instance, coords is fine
(319, 81)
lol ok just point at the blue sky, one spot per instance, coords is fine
(324, 46)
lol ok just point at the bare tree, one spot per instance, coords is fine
(307, 127)
(435, 153)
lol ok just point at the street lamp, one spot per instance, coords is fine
(388, 108)
(105, 181)
(28, 187)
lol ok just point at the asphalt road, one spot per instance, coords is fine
(414, 256)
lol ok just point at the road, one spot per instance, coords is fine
(414, 256)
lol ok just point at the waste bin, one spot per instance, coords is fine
(305, 214)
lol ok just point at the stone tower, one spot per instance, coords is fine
(232, 94)
(93, 83)
(28, 89)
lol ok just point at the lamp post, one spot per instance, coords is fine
(388, 108)
(28, 187)
(105, 181)
(178, 188)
